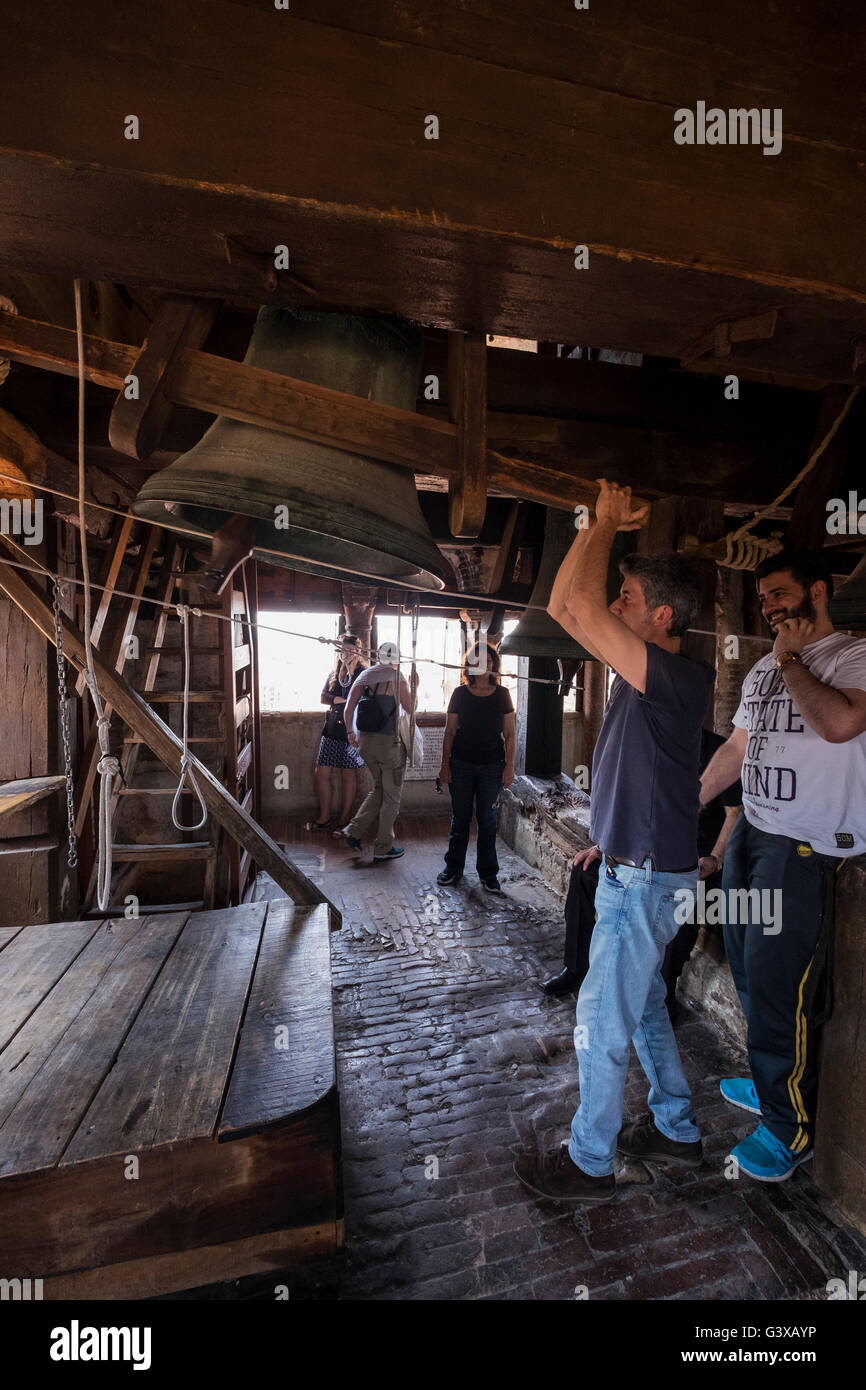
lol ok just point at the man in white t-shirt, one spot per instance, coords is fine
(799, 747)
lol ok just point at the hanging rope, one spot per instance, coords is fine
(747, 552)
(66, 735)
(795, 482)
(183, 612)
(108, 766)
(415, 616)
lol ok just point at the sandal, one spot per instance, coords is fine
(316, 824)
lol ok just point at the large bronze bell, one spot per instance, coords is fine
(847, 607)
(347, 515)
(537, 634)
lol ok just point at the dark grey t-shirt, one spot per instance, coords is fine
(645, 782)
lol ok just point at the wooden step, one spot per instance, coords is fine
(144, 910)
(194, 651)
(196, 849)
(175, 697)
(211, 738)
(155, 791)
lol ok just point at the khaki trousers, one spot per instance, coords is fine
(385, 757)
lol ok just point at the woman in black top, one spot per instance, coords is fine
(334, 747)
(477, 761)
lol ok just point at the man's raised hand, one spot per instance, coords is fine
(614, 504)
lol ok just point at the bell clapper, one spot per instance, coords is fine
(232, 544)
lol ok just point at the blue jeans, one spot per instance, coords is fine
(474, 786)
(622, 1000)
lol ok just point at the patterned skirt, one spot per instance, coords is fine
(333, 753)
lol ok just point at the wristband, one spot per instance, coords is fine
(786, 658)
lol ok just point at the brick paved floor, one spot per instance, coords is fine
(451, 1061)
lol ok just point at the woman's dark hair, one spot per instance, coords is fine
(473, 656)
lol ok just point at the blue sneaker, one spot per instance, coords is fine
(739, 1090)
(394, 853)
(351, 840)
(765, 1157)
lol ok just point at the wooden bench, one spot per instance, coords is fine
(169, 1114)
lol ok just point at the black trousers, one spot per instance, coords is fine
(580, 920)
(783, 975)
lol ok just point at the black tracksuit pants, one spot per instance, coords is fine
(783, 975)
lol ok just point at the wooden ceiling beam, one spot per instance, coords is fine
(572, 143)
(241, 392)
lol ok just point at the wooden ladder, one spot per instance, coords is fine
(227, 746)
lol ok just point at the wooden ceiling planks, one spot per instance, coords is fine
(551, 134)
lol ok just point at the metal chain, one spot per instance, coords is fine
(72, 852)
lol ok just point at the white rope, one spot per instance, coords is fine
(747, 552)
(108, 766)
(415, 615)
(183, 612)
(813, 458)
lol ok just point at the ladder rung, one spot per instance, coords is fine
(144, 910)
(154, 791)
(213, 738)
(194, 651)
(196, 849)
(175, 697)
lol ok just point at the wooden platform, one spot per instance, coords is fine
(169, 1113)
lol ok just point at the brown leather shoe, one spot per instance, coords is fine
(642, 1140)
(555, 1176)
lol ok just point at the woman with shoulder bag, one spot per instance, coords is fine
(477, 762)
(335, 750)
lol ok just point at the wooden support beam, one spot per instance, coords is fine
(22, 448)
(29, 844)
(467, 394)
(26, 791)
(511, 538)
(137, 423)
(722, 335)
(342, 421)
(108, 581)
(150, 728)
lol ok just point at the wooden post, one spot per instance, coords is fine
(543, 720)
(733, 658)
(359, 606)
(467, 399)
(594, 693)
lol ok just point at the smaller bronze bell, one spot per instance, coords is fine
(537, 634)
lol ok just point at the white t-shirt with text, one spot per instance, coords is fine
(795, 783)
